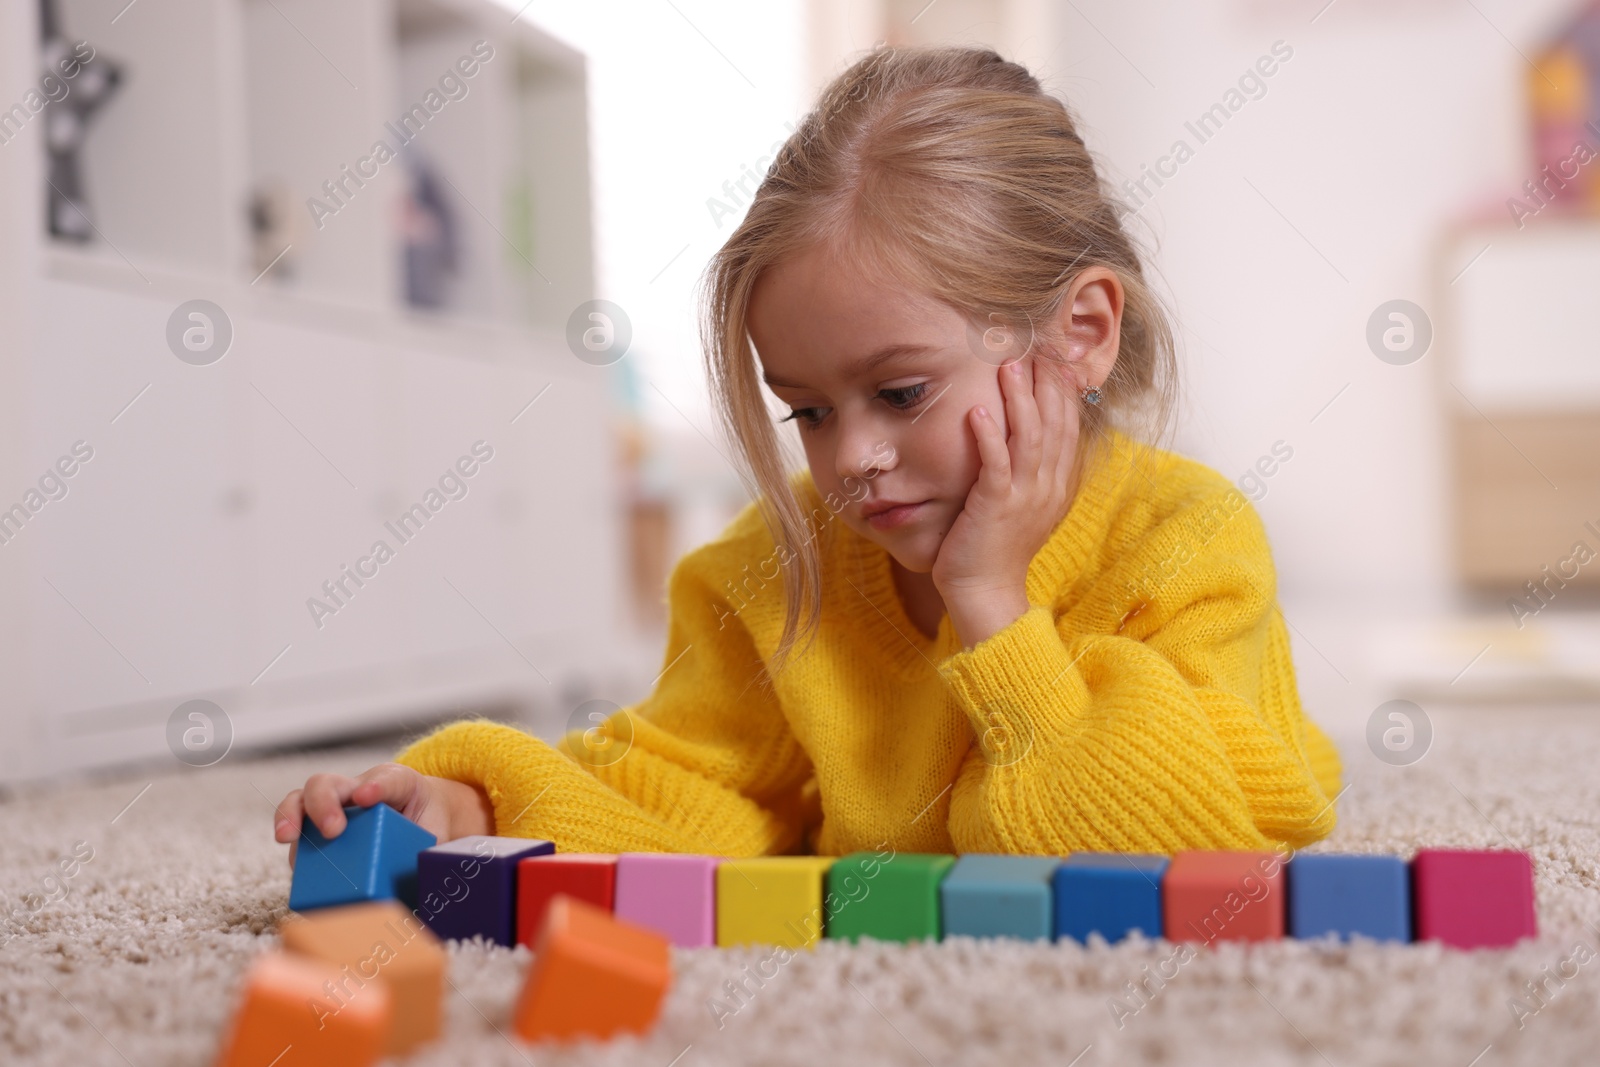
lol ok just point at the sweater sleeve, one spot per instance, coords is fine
(1181, 731)
(705, 764)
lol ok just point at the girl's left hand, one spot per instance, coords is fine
(1021, 495)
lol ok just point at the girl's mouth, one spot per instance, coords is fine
(898, 515)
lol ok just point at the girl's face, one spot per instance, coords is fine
(880, 381)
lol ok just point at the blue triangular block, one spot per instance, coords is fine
(374, 858)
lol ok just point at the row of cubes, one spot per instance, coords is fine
(1465, 899)
(499, 887)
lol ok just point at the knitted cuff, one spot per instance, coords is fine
(511, 765)
(1017, 687)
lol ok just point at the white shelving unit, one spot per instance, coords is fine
(1520, 385)
(1517, 375)
(221, 497)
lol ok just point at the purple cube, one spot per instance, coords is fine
(673, 894)
(469, 886)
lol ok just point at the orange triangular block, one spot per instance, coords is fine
(379, 943)
(592, 975)
(285, 1017)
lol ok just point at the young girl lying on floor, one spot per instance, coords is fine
(986, 618)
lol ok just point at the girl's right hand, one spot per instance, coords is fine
(445, 808)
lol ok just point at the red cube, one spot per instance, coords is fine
(1223, 896)
(587, 876)
(1473, 899)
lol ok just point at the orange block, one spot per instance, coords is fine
(378, 944)
(1223, 896)
(285, 1018)
(593, 975)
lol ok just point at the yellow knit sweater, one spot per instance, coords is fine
(1145, 703)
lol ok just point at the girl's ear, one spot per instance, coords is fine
(1090, 325)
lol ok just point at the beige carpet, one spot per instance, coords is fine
(137, 960)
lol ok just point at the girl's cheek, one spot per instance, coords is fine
(945, 441)
(992, 397)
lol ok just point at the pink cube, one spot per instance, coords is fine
(1472, 899)
(673, 894)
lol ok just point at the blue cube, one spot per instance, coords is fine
(1109, 893)
(374, 858)
(998, 896)
(469, 886)
(1345, 895)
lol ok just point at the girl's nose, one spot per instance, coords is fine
(866, 460)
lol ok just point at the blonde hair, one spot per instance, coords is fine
(1021, 210)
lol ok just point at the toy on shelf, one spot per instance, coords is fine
(373, 858)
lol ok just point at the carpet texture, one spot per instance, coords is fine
(135, 960)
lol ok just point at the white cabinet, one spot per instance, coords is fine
(219, 544)
(137, 580)
(321, 463)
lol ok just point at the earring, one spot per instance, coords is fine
(1090, 395)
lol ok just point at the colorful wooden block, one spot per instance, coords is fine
(277, 1020)
(1331, 893)
(373, 858)
(587, 876)
(998, 896)
(1223, 896)
(674, 895)
(1473, 899)
(893, 898)
(772, 900)
(376, 945)
(468, 886)
(1109, 893)
(592, 975)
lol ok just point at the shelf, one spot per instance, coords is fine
(243, 146)
(467, 336)
(215, 510)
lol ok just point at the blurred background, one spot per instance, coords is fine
(283, 282)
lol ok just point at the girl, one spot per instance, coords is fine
(985, 618)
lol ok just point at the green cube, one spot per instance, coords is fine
(890, 899)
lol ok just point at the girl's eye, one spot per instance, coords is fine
(905, 397)
(807, 416)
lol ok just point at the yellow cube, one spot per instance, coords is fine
(771, 900)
